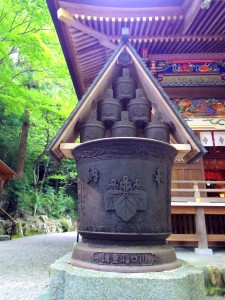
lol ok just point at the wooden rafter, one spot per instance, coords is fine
(192, 11)
(64, 16)
(90, 51)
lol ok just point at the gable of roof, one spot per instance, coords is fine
(182, 133)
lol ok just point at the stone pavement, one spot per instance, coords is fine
(213, 265)
(188, 255)
(24, 263)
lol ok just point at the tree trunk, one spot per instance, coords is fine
(22, 151)
(23, 144)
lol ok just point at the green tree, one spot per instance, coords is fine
(33, 78)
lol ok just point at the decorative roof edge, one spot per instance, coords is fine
(82, 100)
(167, 99)
(53, 8)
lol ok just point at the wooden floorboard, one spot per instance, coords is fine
(183, 238)
(216, 237)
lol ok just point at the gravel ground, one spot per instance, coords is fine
(24, 263)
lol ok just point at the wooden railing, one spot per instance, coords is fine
(197, 191)
(197, 217)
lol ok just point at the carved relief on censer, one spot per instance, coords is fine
(124, 175)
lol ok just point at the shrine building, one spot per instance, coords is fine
(181, 44)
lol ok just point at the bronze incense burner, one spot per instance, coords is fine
(124, 184)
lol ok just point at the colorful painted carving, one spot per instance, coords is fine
(192, 67)
(193, 80)
(200, 107)
(211, 73)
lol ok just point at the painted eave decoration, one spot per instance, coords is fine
(185, 140)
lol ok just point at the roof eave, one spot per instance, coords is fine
(60, 27)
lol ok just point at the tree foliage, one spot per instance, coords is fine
(33, 77)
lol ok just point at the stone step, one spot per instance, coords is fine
(4, 238)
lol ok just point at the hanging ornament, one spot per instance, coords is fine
(205, 4)
(144, 53)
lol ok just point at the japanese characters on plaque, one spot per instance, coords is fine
(124, 258)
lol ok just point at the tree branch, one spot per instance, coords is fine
(2, 16)
(18, 25)
(34, 30)
(13, 21)
(25, 31)
(24, 71)
(12, 50)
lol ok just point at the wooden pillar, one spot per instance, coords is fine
(201, 231)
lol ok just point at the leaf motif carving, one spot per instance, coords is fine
(109, 198)
(125, 201)
(141, 197)
(125, 207)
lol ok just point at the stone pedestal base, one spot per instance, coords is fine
(124, 257)
(68, 283)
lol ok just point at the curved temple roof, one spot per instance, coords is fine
(90, 30)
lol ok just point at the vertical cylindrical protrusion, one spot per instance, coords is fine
(92, 129)
(139, 109)
(124, 87)
(124, 128)
(110, 109)
(157, 129)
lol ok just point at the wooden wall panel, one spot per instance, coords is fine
(183, 171)
(214, 164)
